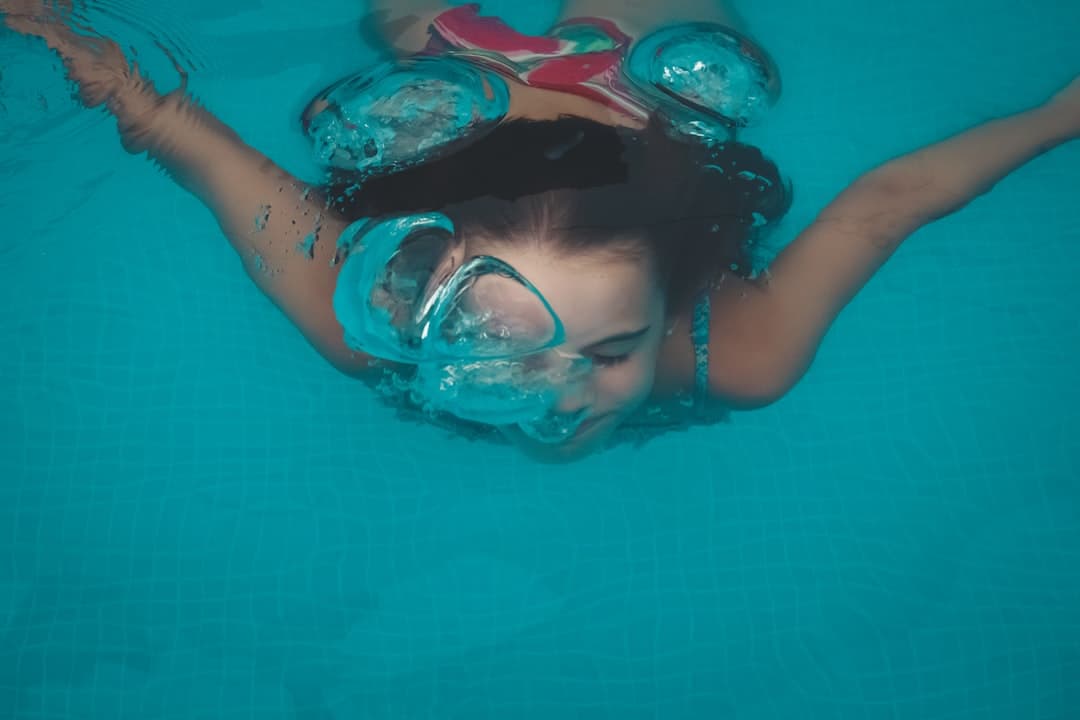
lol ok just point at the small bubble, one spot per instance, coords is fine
(307, 246)
(262, 218)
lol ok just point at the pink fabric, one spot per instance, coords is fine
(464, 27)
(541, 61)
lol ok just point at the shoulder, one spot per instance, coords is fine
(748, 365)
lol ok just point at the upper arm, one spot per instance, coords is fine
(264, 212)
(286, 239)
(765, 332)
(282, 229)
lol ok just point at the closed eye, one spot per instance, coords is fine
(609, 360)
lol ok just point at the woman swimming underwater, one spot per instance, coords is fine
(549, 235)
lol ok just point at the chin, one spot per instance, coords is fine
(575, 448)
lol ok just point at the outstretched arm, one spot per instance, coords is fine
(282, 229)
(789, 309)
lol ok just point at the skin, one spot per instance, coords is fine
(599, 297)
(763, 333)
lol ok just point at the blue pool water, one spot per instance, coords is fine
(200, 519)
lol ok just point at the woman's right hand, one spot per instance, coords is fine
(95, 64)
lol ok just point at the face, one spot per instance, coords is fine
(613, 313)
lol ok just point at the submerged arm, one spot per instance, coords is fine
(814, 277)
(280, 227)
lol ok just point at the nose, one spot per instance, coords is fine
(575, 392)
(577, 397)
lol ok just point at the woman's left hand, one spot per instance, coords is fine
(1066, 104)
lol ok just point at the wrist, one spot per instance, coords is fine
(135, 104)
(1059, 120)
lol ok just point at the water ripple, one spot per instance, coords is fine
(168, 30)
(50, 145)
(38, 105)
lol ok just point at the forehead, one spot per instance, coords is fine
(594, 293)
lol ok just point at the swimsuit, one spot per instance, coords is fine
(699, 334)
(702, 74)
(700, 81)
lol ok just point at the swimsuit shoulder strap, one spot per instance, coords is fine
(699, 334)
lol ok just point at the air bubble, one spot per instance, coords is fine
(262, 218)
(307, 246)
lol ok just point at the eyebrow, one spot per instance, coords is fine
(621, 337)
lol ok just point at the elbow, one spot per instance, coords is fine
(358, 365)
(749, 396)
(349, 363)
(905, 200)
(757, 384)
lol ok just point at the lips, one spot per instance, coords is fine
(590, 423)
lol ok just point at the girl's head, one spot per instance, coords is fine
(619, 229)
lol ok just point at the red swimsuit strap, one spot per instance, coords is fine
(465, 28)
(582, 56)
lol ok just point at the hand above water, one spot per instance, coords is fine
(95, 64)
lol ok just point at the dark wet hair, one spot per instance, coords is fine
(697, 209)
